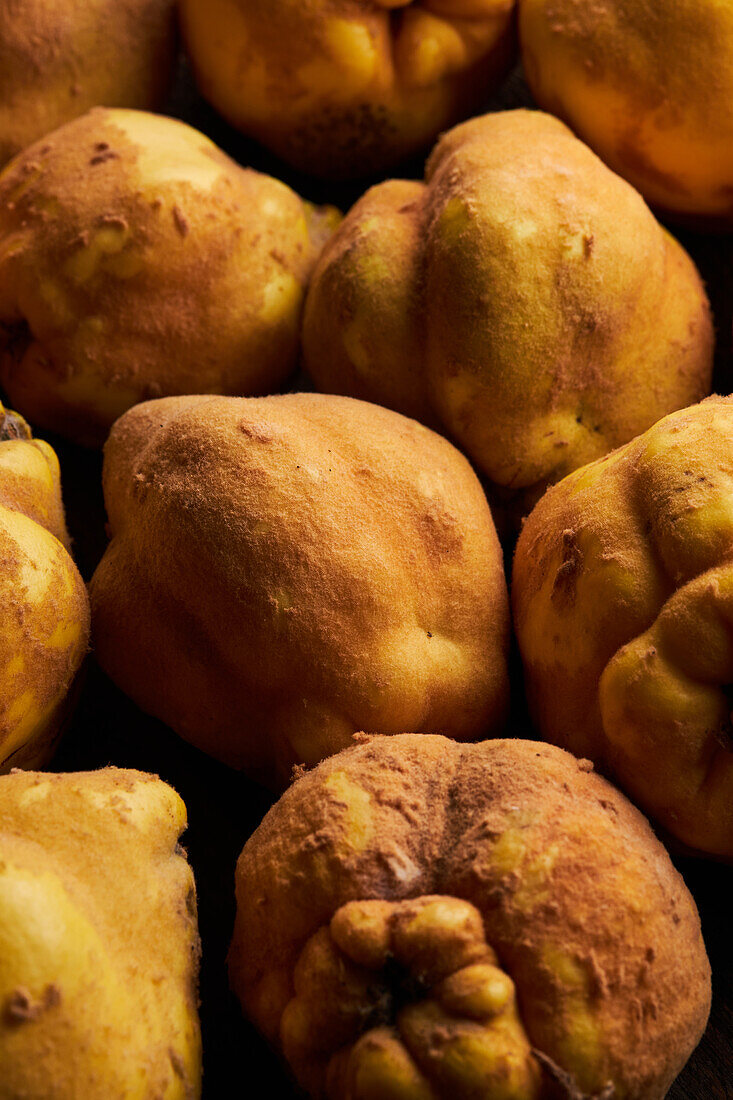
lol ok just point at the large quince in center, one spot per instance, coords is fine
(285, 571)
(523, 300)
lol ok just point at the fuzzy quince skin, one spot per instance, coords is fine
(285, 571)
(343, 89)
(523, 300)
(623, 606)
(423, 920)
(137, 260)
(649, 87)
(45, 623)
(98, 940)
(58, 58)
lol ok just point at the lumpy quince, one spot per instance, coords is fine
(340, 88)
(649, 86)
(623, 605)
(423, 920)
(138, 260)
(45, 620)
(98, 940)
(58, 58)
(523, 300)
(287, 570)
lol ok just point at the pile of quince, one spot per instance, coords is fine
(457, 895)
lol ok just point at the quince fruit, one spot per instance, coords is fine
(423, 920)
(343, 89)
(58, 58)
(137, 260)
(648, 86)
(623, 606)
(523, 300)
(98, 940)
(45, 623)
(287, 570)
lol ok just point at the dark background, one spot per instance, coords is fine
(224, 808)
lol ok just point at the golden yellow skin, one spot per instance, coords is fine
(98, 940)
(623, 604)
(648, 86)
(58, 58)
(285, 571)
(45, 623)
(342, 89)
(523, 300)
(137, 260)
(340, 981)
(423, 920)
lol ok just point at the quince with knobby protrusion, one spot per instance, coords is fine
(623, 605)
(423, 920)
(343, 89)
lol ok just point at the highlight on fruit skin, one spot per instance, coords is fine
(137, 260)
(44, 632)
(424, 920)
(341, 89)
(58, 58)
(622, 592)
(284, 571)
(523, 300)
(648, 86)
(99, 960)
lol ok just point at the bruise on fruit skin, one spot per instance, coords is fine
(21, 1008)
(566, 1082)
(13, 426)
(568, 572)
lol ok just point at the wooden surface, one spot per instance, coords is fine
(224, 808)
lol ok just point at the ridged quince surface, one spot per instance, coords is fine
(523, 300)
(623, 605)
(343, 88)
(285, 571)
(44, 630)
(137, 260)
(648, 85)
(98, 940)
(58, 58)
(423, 920)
